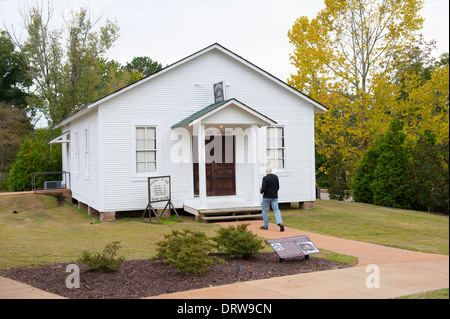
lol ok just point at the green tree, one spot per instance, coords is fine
(112, 77)
(85, 45)
(62, 73)
(341, 56)
(14, 81)
(14, 78)
(389, 186)
(443, 59)
(413, 62)
(14, 127)
(339, 53)
(428, 173)
(364, 176)
(143, 65)
(35, 155)
(337, 172)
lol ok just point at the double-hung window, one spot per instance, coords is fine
(276, 147)
(77, 154)
(86, 153)
(145, 149)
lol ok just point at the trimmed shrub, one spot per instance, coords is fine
(105, 261)
(237, 241)
(188, 251)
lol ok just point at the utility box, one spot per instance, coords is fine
(52, 185)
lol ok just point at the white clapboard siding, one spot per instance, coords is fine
(84, 175)
(172, 96)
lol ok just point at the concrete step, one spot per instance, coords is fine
(231, 217)
(218, 211)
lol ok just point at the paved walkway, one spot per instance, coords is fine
(11, 289)
(16, 193)
(401, 272)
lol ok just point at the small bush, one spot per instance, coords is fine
(105, 261)
(237, 241)
(188, 251)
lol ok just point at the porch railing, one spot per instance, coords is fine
(51, 185)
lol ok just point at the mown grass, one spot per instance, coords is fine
(43, 232)
(407, 229)
(433, 294)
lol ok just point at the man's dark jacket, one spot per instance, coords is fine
(270, 186)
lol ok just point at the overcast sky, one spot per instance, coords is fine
(169, 30)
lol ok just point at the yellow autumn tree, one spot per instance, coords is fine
(427, 106)
(344, 57)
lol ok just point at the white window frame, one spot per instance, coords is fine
(156, 150)
(86, 153)
(77, 154)
(269, 160)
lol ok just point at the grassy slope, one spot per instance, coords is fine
(43, 232)
(406, 229)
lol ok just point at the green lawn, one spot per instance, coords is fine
(400, 228)
(43, 232)
(434, 294)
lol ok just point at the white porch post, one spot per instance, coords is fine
(256, 179)
(201, 165)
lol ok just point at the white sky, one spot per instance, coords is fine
(170, 30)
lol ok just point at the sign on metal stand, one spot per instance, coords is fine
(159, 190)
(290, 247)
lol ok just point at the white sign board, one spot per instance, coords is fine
(159, 188)
(219, 92)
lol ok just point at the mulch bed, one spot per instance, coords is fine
(145, 278)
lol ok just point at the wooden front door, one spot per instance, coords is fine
(220, 168)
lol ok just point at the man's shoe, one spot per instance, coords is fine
(264, 227)
(281, 227)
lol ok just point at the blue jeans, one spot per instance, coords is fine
(265, 208)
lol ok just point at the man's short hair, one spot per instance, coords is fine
(269, 169)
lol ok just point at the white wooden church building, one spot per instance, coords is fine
(212, 122)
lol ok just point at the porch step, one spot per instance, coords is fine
(227, 214)
(217, 209)
(231, 217)
(237, 210)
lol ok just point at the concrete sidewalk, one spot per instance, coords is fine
(396, 280)
(401, 272)
(11, 289)
(365, 252)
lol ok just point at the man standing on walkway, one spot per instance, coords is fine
(269, 189)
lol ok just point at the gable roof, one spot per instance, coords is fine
(216, 107)
(318, 106)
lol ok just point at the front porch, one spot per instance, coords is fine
(222, 208)
(228, 155)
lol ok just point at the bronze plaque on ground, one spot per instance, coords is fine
(290, 247)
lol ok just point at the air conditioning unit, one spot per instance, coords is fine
(52, 185)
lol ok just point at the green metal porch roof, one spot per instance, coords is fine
(200, 113)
